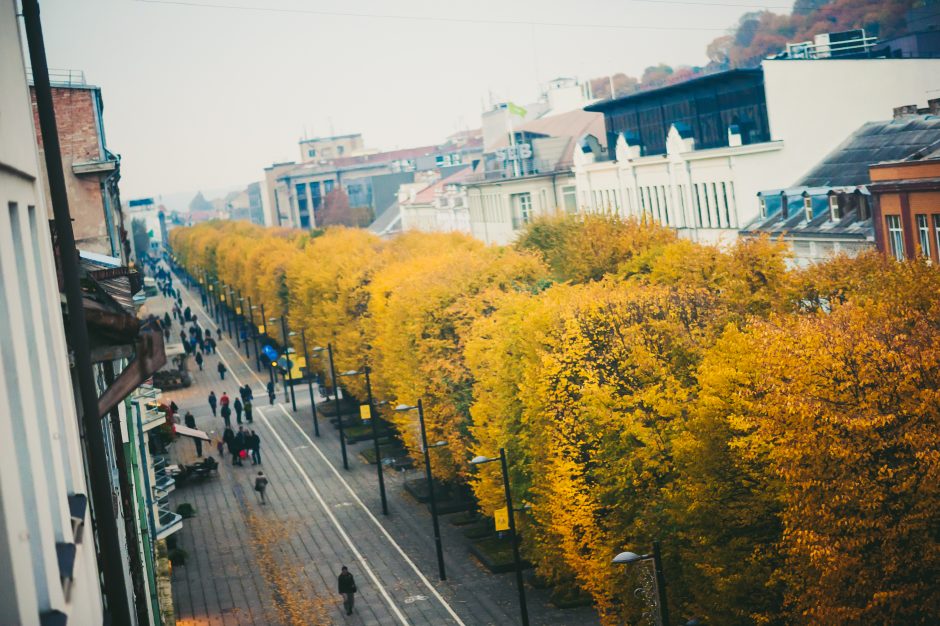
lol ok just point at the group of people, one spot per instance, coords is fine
(223, 406)
(240, 445)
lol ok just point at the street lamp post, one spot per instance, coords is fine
(430, 478)
(625, 558)
(236, 307)
(313, 403)
(244, 326)
(264, 324)
(231, 310)
(523, 609)
(339, 418)
(375, 433)
(254, 333)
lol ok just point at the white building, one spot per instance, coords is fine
(436, 206)
(48, 568)
(694, 155)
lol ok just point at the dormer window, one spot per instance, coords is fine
(835, 211)
(808, 207)
(763, 208)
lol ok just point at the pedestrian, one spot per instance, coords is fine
(238, 406)
(249, 395)
(166, 334)
(347, 588)
(190, 422)
(222, 369)
(243, 393)
(226, 412)
(261, 483)
(248, 407)
(183, 336)
(211, 343)
(220, 446)
(212, 402)
(224, 400)
(208, 333)
(166, 320)
(187, 314)
(254, 444)
(271, 391)
(199, 360)
(228, 436)
(241, 442)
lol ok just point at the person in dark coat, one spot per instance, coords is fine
(271, 391)
(212, 402)
(238, 406)
(222, 369)
(347, 588)
(254, 444)
(261, 483)
(248, 416)
(230, 442)
(166, 320)
(199, 360)
(226, 412)
(190, 422)
(241, 443)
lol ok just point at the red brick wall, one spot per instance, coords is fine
(76, 120)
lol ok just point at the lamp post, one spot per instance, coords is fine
(236, 308)
(231, 310)
(479, 460)
(254, 333)
(313, 403)
(288, 379)
(658, 601)
(243, 332)
(430, 479)
(375, 433)
(339, 418)
(264, 325)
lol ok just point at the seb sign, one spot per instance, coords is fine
(511, 153)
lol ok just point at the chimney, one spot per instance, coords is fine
(933, 106)
(904, 111)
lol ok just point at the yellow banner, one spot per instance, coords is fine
(222, 297)
(501, 517)
(364, 413)
(261, 328)
(238, 310)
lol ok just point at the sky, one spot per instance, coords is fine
(203, 94)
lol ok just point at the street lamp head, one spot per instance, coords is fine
(350, 373)
(477, 460)
(405, 407)
(438, 444)
(625, 558)
(317, 349)
(380, 403)
(292, 334)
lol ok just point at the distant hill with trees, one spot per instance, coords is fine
(761, 33)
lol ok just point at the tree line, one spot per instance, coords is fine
(775, 428)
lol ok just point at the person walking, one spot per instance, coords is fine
(224, 400)
(199, 360)
(167, 322)
(241, 442)
(212, 402)
(347, 589)
(248, 417)
(238, 406)
(226, 412)
(261, 483)
(243, 393)
(254, 444)
(190, 422)
(229, 438)
(249, 394)
(222, 369)
(271, 391)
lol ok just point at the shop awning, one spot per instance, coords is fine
(195, 433)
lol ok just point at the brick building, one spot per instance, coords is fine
(907, 206)
(91, 170)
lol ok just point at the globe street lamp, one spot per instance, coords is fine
(659, 600)
(375, 432)
(339, 418)
(479, 460)
(430, 479)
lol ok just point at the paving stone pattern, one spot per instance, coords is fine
(222, 582)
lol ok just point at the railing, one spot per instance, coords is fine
(62, 78)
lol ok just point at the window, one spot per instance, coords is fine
(895, 236)
(808, 207)
(936, 231)
(708, 208)
(923, 235)
(763, 207)
(698, 205)
(835, 211)
(522, 209)
(311, 153)
(340, 150)
(328, 187)
(724, 195)
(302, 214)
(717, 208)
(665, 194)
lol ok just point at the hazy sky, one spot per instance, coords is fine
(200, 97)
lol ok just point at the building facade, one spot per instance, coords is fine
(436, 206)
(695, 155)
(907, 206)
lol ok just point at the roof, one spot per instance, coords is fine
(796, 226)
(874, 142)
(574, 125)
(387, 221)
(697, 81)
(429, 193)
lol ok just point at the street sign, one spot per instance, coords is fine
(501, 517)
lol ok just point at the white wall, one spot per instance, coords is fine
(491, 204)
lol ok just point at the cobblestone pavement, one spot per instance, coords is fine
(318, 518)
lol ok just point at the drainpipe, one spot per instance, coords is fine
(110, 559)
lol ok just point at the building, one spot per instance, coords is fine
(830, 209)
(92, 170)
(245, 204)
(48, 561)
(297, 194)
(528, 172)
(438, 205)
(694, 155)
(906, 196)
(321, 149)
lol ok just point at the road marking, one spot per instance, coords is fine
(391, 540)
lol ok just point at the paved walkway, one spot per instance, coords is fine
(254, 564)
